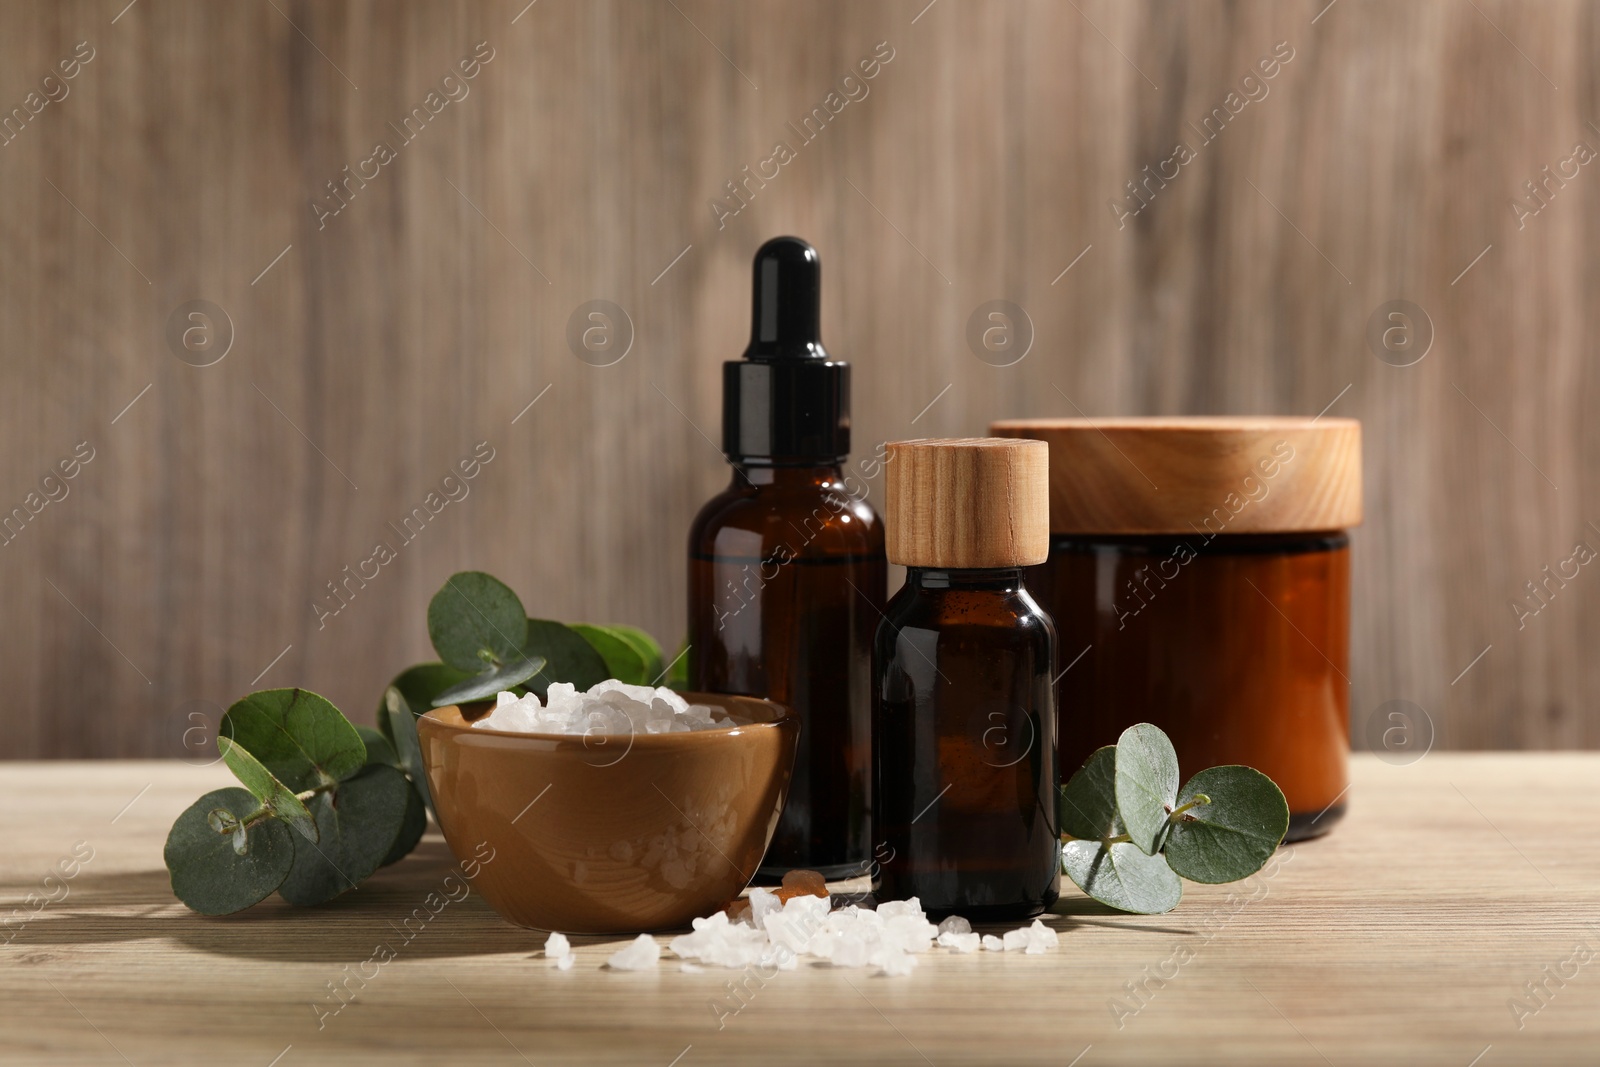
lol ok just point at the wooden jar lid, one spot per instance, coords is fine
(968, 502)
(1202, 474)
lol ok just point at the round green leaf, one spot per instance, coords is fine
(419, 685)
(1233, 836)
(1121, 876)
(297, 735)
(360, 823)
(207, 873)
(1146, 784)
(407, 745)
(568, 657)
(623, 661)
(648, 647)
(264, 787)
(1088, 803)
(416, 822)
(491, 682)
(379, 748)
(476, 620)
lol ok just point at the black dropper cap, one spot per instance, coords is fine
(786, 402)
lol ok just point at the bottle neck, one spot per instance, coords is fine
(814, 476)
(992, 579)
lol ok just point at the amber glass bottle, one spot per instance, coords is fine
(964, 715)
(1199, 576)
(787, 577)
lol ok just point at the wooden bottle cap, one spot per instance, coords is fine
(1202, 474)
(968, 502)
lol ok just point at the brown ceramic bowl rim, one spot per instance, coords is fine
(782, 714)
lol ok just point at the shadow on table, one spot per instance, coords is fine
(392, 908)
(1084, 911)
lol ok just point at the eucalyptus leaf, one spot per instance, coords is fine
(419, 685)
(491, 682)
(474, 620)
(1146, 785)
(379, 748)
(569, 658)
(207, 873)
(360, 824)
(1088, 804)
(380, 751)
(623, 661)
(1234, 835)
(649, 650)
(297, 735)
(407, 745)
(1122, 876)
(283, 803)
(411, 830)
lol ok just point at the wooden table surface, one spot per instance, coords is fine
(1406, 936)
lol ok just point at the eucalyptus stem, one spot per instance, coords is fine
(265, 812)
(1199, 799)
(1108, 841)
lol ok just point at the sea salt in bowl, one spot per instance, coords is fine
(612, 833)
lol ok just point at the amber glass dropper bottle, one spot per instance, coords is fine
(787, 578)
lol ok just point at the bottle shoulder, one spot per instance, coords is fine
(1013, 611)
(809, 521)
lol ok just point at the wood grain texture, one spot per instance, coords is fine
(1403, 937)
(1214, 475)
(204, 548)
(967, 502)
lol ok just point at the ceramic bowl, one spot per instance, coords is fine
(612, 834)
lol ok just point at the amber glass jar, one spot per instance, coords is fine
(1199, 578)
(964, 717)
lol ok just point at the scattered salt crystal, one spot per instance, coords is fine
(1031, 940)
(558, 950)
(962, 943)
(1040, 938)
(891, 908)
(763, 902)
(774, 930)
(609, 707)
(642, 953)
(690, 968)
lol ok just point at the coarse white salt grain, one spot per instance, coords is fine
(557, 945)
(565, 962)
(608, 708)
(962, 943)
(642, 953)
(774, 934)
(1032, 940)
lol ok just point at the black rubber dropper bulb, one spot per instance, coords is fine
(786, 302)
(786, 402)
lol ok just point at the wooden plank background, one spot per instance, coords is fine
(372, 350)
